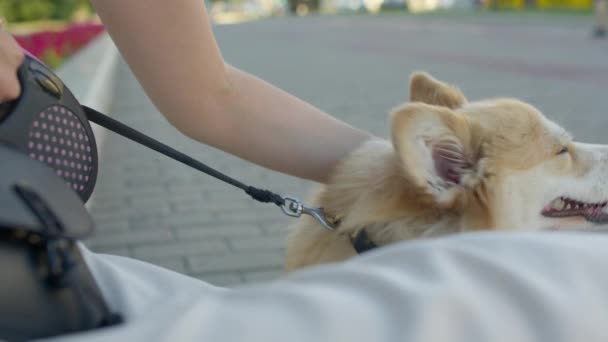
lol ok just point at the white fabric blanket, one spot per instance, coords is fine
(542, 287)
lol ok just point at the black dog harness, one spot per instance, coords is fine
(361, 241)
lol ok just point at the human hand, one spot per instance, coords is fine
(11, 57)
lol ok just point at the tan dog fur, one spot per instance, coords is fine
(506, 163)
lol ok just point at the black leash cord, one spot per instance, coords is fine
(261, 195)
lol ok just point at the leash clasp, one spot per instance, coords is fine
(294, 208)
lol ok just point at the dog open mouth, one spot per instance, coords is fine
(567, 207)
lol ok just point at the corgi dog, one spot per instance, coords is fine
(452, 166)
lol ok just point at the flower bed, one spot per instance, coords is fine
(53, 47)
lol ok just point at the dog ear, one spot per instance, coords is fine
(424, 88)
(434, 146)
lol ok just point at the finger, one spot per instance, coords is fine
(10, 50)
(10, 89)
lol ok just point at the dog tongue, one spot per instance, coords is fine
(548, 208)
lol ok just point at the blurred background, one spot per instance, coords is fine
(27, 17)
(51, 30)
(351, 58)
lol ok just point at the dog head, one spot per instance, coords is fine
(498, 163)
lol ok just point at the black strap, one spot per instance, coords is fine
(261, 195)
(63, 266)
(361, 242)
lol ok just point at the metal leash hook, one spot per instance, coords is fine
(294, 208)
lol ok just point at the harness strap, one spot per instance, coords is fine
(361, 242)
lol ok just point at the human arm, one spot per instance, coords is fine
(171, 49)
(11, 56)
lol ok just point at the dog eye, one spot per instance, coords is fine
(563, 150)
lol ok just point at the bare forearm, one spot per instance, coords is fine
(171, 49)
(277, 130)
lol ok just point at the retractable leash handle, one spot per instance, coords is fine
(48, 124)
